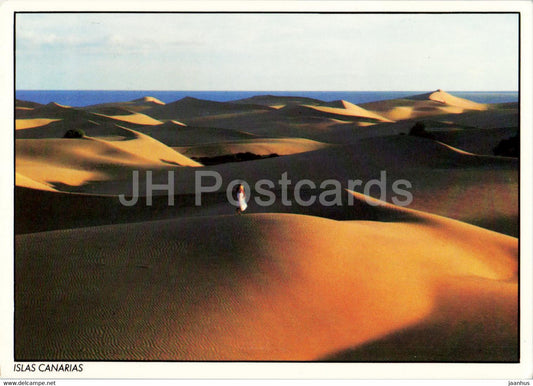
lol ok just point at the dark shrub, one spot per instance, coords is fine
(419, 130)
(509, 147)
(238, 157)
(74, 133)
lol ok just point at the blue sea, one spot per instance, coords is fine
(78, 98)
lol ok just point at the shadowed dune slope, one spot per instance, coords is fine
(267, 287)
(290, 121)
(52, 110)
(397, 155)
(26, 105)
(275, 100)
(441, 180)
(477, 141)
(135, 105)
(490, 119)
(188, 107)
(310, 114)
(333, 125)
(260, 146)
(109, 109)
(173, 133)
(53, 117)
(58, 128)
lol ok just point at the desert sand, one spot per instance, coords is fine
(268, 287)
(361, 280)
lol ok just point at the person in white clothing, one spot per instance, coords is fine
(241, 198)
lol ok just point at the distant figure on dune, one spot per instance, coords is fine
(241, 198)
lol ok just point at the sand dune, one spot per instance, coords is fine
(267, 287)
(366, 157)
(340, 121)
(490, 304)
(448, 99)
(147, 100)
(21, 124)
(109, 110)
(442, 180)
(50, 110)
(344, 108)
(274, 100)
(289, 121)
(73, 116)
(26, 182)
(173, 121)
(70, 115)
(173, 133)
(58, 128)
(271, 116)
(136, 105)
(477, 131)
(152, 150)
(434, 103)
(188, 108)
(26, 105)
(75, 162)
(135, 118)
(478, 141)
(493, 118)
(260, 146)
(294, 121)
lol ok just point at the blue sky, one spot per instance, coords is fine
(285, 52)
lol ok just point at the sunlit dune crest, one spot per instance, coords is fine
(149, 99)
(151, 150)
(21, 124)
(55, 104)
(136, 118)
(349, 109)
(445, 98)
(26, 182)
(177, 122)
